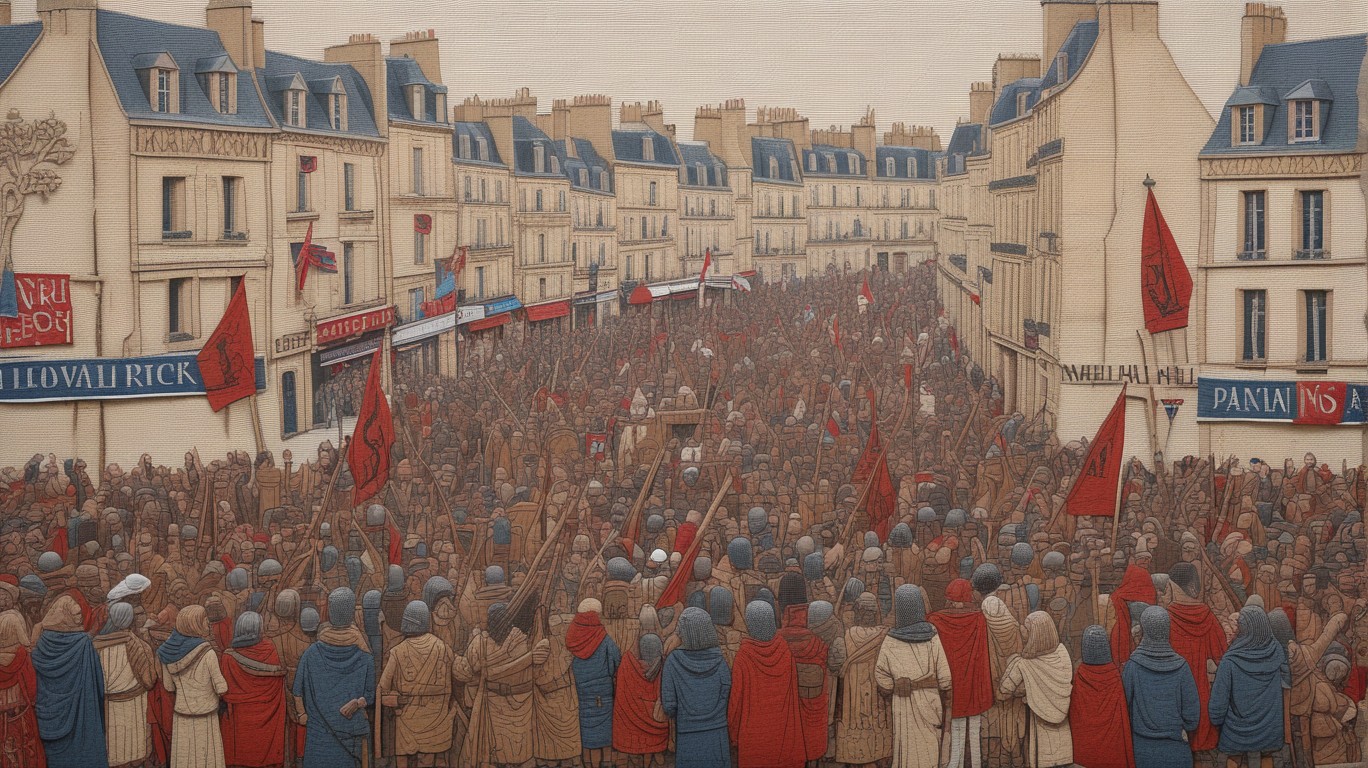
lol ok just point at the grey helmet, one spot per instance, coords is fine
(436, 588)
(246, 630)
(720, 605)
(650, 648)
(375, 515)
(501, 531)
(739, 552)
(702, 568)
(955, 518)
(871, 539)
(328, 558)
(655, 523)
(966, 567)
(1033, 596)
(853, 589)
(341, 607)
(1052, 561)
(493, 575)
(690, 476)
(813, 567)
(1022, 554)
(325, 529)
(417, 619)
(620, 569)
(900, 536)
(394, 579)
(237, 579)
(908, 608)
(818, 612)
(696, 630)
(757, 520)
(760, 621)
(804, 547)
(370, 612)
(287, 604)
(308, 619)
(1096, 646)
(926, 515)
(269, 567)
(353, 571)
(1154, 625)
(120, 618)
(1281, 627)
(49, 562)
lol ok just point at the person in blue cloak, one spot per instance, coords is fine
(1247, 695)
(1161, 697)
(334, 683)
(695, 687)
(70, 701)
(594, 663)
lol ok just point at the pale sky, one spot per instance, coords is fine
(912, 61)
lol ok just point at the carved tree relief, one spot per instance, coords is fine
(30, 151)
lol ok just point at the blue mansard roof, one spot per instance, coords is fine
(922, 167)
(599, 176)
(283, 71)
(1006, 107)
(849, 162)
(473, 132)
(526, 137)
(15, 42)
(1325, 70)
(702, 167)
(766, 148)
(1076, 48)
(402, 72)
(629, 147)
(127, 42)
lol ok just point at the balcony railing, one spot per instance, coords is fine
(1305, 254)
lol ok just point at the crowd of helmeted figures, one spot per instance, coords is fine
(717, 591)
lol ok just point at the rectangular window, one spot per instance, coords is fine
(1304, 121)
(653, 193)
(301, 191)
(1312, 224)
(648, 150)
(337, 123)
(479, 282)
(541, 287)
(417, 170)
(295, 102)
(466, 187)
(163, 90)
(348, 273)
(419, 248)
(1255, 225)
(232, 187)
(225, 100)
(1247, 134)
(1255, 325)
(417, 102)
(441, 110)
(481, 233)
(1317, 320)
(415, 303)
(178, 306)
(349, 186)
(173, 205)
(647, 257)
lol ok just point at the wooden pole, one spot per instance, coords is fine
(256, 423)
(697, 542)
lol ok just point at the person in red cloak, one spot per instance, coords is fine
(1136, 586)
(254, 724)
(1197, 636)
(763, 719)
(18, 691)
(636, 731)
(810, 664)
(1098, 718)
(160, 702)
(963, 632)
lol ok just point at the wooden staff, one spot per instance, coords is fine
(632, 515)
(519, 598)
(289, 573)
(504, 403)
(432, 476)
(697, 542)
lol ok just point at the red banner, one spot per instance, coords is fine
(422, 223)
(368, 455)
(227, 362)
(308, 164)
(338, 328)
(1321, 402)
(44, 312)
(1094, 492)
(1165, 283)
(439, 306)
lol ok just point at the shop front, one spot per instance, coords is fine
(344, 347)
(591, 307)
(424, 346)
(487, 324)
(548, 316)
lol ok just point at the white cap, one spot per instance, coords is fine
(133, 584)
(659, 556)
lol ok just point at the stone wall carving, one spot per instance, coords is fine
(197, 142)
(1281, 165)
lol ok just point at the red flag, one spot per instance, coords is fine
(865, 292)
(1165, 283)
(59, 542)
(686, 544)
(227, 362)
(369, 452)
(707, 262)
(954, 342)
(1094, 492)
(422, 223)
(396, 544)
(907, 375)
(974, 297)
(832, 427)
(836, 332)
(308, 164)
(881, 501)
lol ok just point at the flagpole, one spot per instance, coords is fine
(256, 424)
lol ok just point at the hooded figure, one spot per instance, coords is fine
(595, 666)
(1136, 586)
(335, 682)
(913, 669)
(963, 630)
(763, 716)
(254, 723)
(129, 673)
(695, 685)
(635, 729)
(416, 684)
(19, 687)
(1198, 637)
(810, 655)
(190, 670)
(1247, 695)
(71, 691)
(1160, 696)
(1043, 674)
(1097, 709)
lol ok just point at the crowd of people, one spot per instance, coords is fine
(795, 527)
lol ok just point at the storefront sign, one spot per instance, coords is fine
(469, 314)
(342, 354)
(44, 312)
(507, 304)
(1169, 375)
(596, 298)
(1299, 402)
(407, 334)
(338, 328)
(291, 342)
(38, 380)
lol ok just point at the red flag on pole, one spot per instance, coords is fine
(1165, 283)
(881, 501)
(707, 262)
(866, 293)
(372, 440)
(832, 427)
(907, 375)
(836, 332)
(1094, 492)
(227, 363)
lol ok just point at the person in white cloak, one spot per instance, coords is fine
(1043, 674)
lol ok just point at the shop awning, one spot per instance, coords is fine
(411, 332)
(489, 322)
(470, 314)
(675, 289)
(345, 352)
(595, 298)
(548, 311)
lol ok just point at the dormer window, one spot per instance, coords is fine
(853, 160)
(555, 164)
(1021, 101)
(831, 163)
(295, 108)
(1246, 125)
(890, 167)
(812, 162)
(648, 149)
(463, 146)
(538, 158)
(225, 94)
(161, 81)
(584, 177)
(482, 144)
(793, 169)
(441, 110)
(218, 77)
(417, 100)
(912, 168)
(1304, 114)
(337, 111)
(720, 174)
(1061, 67)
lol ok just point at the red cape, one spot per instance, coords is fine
(964, 635)
(222, 632)
(22, 731)
(635, 729)
(1136, 586)
(1098, 718)
(254, 724)
(160, 712)
(1197, 637)
(762, 713)
(584, 635)
(808, 648)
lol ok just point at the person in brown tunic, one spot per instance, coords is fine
(500, 664)
(555, 707)
(290, 642)
(864, 730)
(416, 684)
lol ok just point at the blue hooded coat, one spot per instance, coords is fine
(1162, 699)
(329, 676)
(695, 686)
(594, 678)
(70, 702)
(1247, 695)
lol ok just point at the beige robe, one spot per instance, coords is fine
(419, 670)
(1006, 720)
(501, 719)
(864, 733)
(918, 718)
(129, 672)
(555, 708)
(1046, 682)
(196, 741)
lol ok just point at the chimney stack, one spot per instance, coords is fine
(362, 52)
(1059, 18)
(980, 102)
(1262, 25)
(422, 47)
(68, 17)
(232, 20)
(6, 18)
(591, 118)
